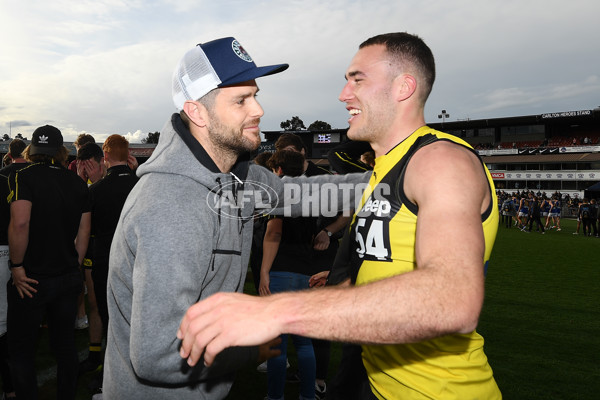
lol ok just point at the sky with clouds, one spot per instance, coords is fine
(105, 66)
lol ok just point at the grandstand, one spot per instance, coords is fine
(547, 152)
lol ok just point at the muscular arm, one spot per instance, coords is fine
(442, 295)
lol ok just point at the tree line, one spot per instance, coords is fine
(292, 124)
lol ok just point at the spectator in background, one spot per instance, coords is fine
(48, 237)
(576, 203)
(287, 265)
(345, 157)
(78, 143)
(535, 215)
(108, 196)
(545, 207)
(523, 211)
(594, 210)
(368, 158)
(585, 212)
(325, 247)
(90, 168)
(260, 225)
(14, 156)
(16, 162)
(509, 210)
(262, 158)
(554, 213)
(82, 321)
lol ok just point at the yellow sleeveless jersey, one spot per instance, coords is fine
(449, 367)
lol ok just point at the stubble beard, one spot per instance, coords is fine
(231, 141)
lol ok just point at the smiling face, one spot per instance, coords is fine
(234, 119)
(367, 94)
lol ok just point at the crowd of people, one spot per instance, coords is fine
(57, 226)
(172, 243)
(523, 209)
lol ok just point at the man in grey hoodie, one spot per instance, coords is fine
(186, 228)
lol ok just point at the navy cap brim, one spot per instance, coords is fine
(254, 73)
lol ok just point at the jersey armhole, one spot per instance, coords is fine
(414, 208)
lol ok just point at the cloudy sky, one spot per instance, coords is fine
(105, 66)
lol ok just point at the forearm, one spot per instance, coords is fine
(18, 240)
(270, 248)
(83, 236)
(401, 309)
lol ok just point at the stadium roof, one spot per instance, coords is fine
(543, 158)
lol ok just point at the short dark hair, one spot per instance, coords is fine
(289, 139)
(408, 51)
(83, 139)
(16, 148)
(262, 158)
(90, 150)
(291, 162)
(208, 101)
(369, 157)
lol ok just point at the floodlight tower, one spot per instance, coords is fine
(443, 116)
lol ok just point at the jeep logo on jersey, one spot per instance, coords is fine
(229, 200)
(378, 207)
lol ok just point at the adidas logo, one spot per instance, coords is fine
(43, 139)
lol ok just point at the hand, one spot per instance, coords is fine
(132, 162)
(22, 282)
(319, 279)
(263, 287)
(267, 350)
(225, 320)
(93, 170)
(321, 241)
(81, 170)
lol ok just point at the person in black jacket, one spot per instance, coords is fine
(48, 236)
(535, 215)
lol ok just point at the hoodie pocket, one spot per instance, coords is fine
(231, 254)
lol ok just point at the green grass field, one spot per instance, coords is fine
(541, 320)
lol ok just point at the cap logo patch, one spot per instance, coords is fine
(240, 51)
(43, 140)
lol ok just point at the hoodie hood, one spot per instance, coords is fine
(177, 143)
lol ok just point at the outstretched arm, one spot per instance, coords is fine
(443, 294)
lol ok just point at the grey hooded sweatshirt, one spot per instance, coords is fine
(185, 233)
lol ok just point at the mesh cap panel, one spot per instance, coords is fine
(193, 77)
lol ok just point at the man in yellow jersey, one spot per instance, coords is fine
(419, 276)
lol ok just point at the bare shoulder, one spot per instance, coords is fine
(447, 170)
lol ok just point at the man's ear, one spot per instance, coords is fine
(405, 86)
(196, 112)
